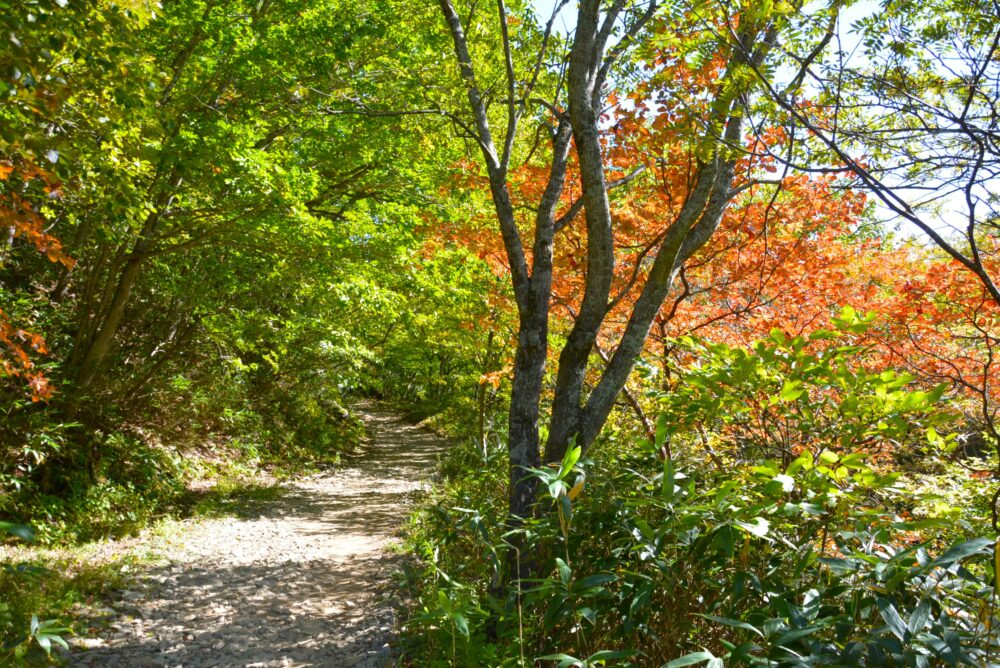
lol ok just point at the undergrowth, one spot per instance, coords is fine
(136, 485)
(718, 542)
(647, 565)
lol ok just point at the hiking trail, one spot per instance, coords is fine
(304, 580)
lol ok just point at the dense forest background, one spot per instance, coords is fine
(704, 292)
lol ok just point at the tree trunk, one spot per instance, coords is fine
(94, 347)
(523, 448)
(98, 349)
(572, 418)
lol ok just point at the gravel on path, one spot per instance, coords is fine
(302, 581)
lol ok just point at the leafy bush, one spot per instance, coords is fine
(26, 445)
(122, 490)
(787, 566)
(20, 637)
(784, 395)
(722, 542)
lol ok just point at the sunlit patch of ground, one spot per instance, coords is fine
(302, 579)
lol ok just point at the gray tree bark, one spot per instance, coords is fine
(575, 418)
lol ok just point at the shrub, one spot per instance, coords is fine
(764, 525)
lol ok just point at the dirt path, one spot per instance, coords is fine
(303, 581)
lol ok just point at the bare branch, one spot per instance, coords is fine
(577, 206)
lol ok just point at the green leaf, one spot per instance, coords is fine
(891, 617)
(838, 564)
(727, 540)
(565, 510)
(828, 457)
(661, 431)
(935, 394)
(805, 460)
(22, 531)
(963, 550)
(565, 660)
(59, 640)
(644, 528)
(609, 654)
(795, 634)
(735, 623)
(565, 572)
(667, 486)
(791, 390)
(461, 623)
(921, 615)
(689, 660)
(597, 580)
(855, 460)
(570, 459)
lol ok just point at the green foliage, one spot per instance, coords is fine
(53, 590)
(787, 395)
(797, 547)
(246, 212)
(17, 644)
(243, 251)
(123, 488)
(788, 566)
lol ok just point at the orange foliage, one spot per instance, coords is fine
(789, 253)
(779, 259)
(19, 216)
(14, 359)
(942, 325)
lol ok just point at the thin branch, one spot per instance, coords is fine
(577, 206)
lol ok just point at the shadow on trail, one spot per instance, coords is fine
(311, 613)
(300, 580)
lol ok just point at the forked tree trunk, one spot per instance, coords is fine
(576, 418)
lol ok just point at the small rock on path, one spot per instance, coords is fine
(303, 581)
